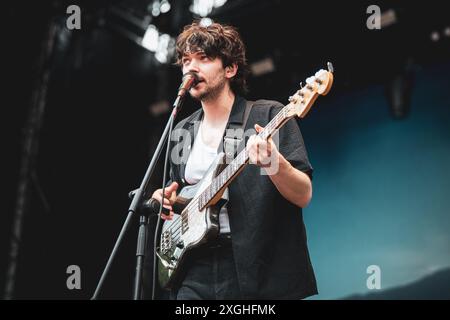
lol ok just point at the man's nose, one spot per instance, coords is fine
(192, 67)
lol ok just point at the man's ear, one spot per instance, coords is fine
(231, 70)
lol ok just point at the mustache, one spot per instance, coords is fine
(199, 79)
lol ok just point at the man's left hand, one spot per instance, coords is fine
(261, 152)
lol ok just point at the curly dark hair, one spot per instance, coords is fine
(216, 40)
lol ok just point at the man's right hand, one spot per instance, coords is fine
(170, 196)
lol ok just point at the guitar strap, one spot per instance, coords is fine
(234, 135)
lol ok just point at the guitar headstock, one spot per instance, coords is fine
(303, 99)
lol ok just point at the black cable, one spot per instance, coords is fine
(155, 241)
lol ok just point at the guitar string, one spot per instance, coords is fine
(178, 224)
(176, 227)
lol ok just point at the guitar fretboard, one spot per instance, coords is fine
(229, 173)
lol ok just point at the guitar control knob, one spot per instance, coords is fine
(180, 245)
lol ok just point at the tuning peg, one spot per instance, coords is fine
(291, 99)
(320, 73)
(301, 85)
(330, 67)
(310, 82)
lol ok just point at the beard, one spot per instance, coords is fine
(210, 93)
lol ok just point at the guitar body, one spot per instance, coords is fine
(189, 229)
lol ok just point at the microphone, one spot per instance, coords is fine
(189, 80)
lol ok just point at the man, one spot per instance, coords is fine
(261, 252)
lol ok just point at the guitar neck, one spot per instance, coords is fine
(300, 104)
(222, 180)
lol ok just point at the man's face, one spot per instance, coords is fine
(211, 73)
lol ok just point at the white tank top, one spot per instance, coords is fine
(200, 159)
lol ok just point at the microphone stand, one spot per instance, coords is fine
(138, 199)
